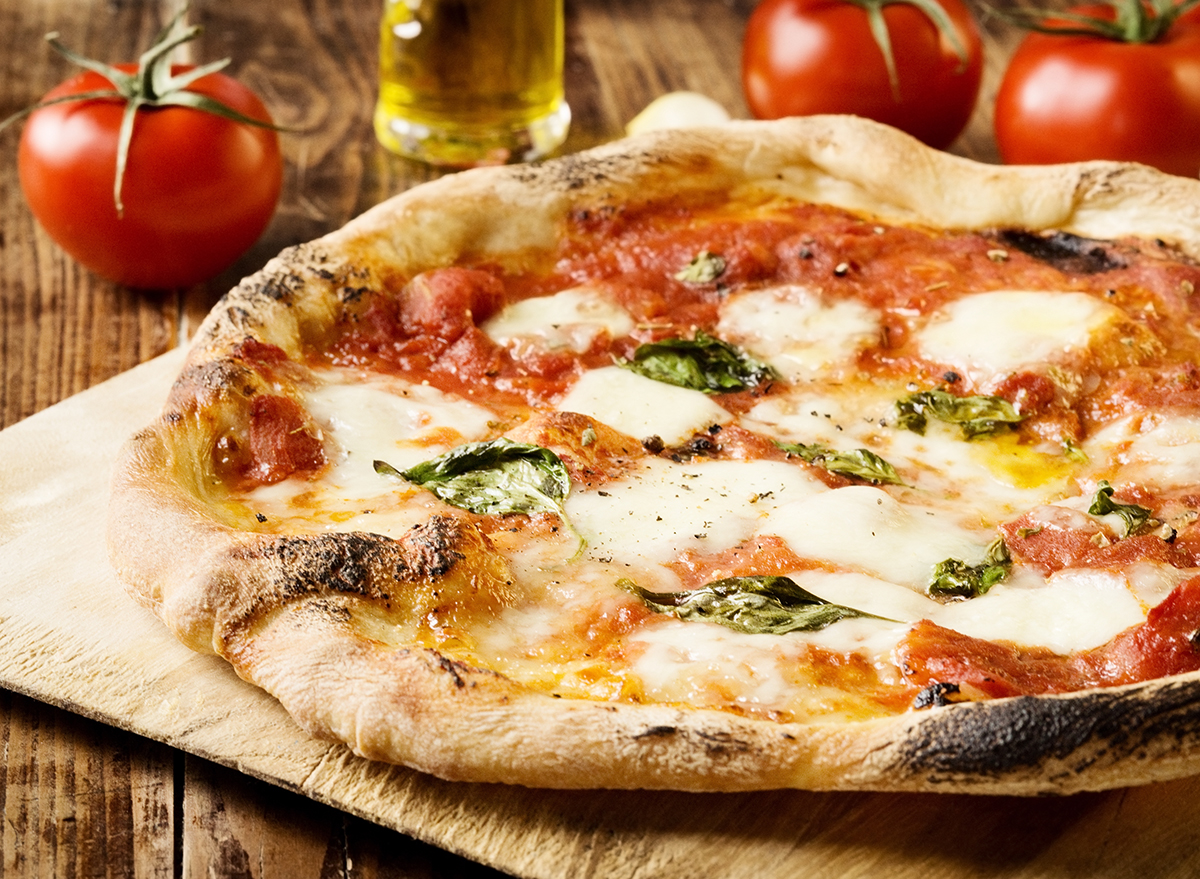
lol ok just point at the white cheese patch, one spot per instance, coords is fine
(700, 663)
(990, 334)
(390, 420)
(1050, 615)
(663, 508)
(363, 420)
(860, 528)
(1159, 450)
(795, 331)
(642, 407)
(868, 594)
(570, 320)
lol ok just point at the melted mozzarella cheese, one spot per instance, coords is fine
(797, 333)
(364, 420)
(990, 478)
(990, 334)
(1049, 615)
(642, 407)
(1160, 450)
(571, 320)
(860, 528)
(390, 420)
(661, 509)
(680, 661)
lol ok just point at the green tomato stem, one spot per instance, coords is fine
(1133, 21)
(879, 30)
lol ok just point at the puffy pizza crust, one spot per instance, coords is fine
(296, 615)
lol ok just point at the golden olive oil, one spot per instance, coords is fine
(470, 82)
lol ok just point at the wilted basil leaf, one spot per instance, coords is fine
(954, 578)
(1072, 451)
(859, 463)
(976, 416)
(1135, 517)
(704, 268)
(498, 477)
(702, 364)
(754, 605)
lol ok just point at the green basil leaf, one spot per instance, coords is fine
(954, 578)
(859, 463)
(703, 364)
(499, 477)
(1135, 517)
(704, 268)
(976, 416)
(754, 605)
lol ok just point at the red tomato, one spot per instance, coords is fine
(198, 189)
(1070, 98)
(801, 57)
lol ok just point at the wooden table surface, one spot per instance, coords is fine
(82, 799)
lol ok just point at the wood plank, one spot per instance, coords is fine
(240, 827)
(79, 797)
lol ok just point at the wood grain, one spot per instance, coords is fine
(83, 799)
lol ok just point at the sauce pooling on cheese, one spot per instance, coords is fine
(976, 462)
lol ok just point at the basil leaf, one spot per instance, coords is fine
(859, 463)
(1135, 517)
(704, 364)
(1074, 452)
(753, 605)
(954, 578)
(704, 268)
(976, 416)
(499, 477)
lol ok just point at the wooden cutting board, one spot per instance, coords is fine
(69, 636)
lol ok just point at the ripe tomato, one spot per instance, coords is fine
(801, 57)
(198, 188)
(1069, 98)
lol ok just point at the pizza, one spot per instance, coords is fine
(787, 454)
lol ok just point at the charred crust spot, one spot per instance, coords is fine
(655, 732)
(572, 173)
(366, 565)
(1064, 251)
(282, 288)
(452, 668)
(721, 743)
(1019, 735)
(936, 695)
(329, 609)
(341, 563)
(653, 444)
(462, 674)
(214, 376)
(430, 549)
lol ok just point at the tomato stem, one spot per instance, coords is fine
(879, 30)
(1132, 21)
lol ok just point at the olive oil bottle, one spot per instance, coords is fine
(471, 82)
